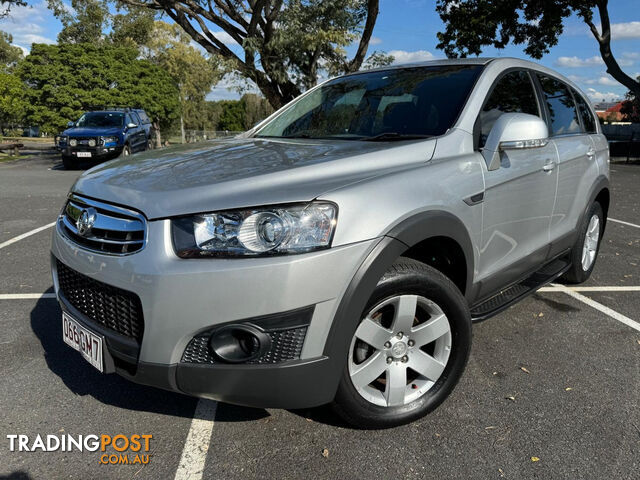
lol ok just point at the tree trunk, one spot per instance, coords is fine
(156, 130)
(182, 135)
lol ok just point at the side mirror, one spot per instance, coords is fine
(71, 124)
(132, 125)
(514, 131)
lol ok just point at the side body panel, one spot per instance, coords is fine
(518, 203)
(577, 172)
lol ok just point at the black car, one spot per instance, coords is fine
(105, 134)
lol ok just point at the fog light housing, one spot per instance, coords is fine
(239, 343)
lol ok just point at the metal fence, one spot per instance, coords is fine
(624, 140)
(192, 136)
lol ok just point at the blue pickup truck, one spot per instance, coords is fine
(105, 134)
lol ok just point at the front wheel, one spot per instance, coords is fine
(585, 251)
(126, 151)
(68, 163)
(409, 350)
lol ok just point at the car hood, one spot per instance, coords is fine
(91, 131)
(242, 172)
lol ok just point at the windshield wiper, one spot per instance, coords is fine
(390, 136)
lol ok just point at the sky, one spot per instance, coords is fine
(407, 30)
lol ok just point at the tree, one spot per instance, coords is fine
(12, 101)
(63, 81)
(284, 42)
(5, 6)
(83, 24)
(91, 21)
(9, 55)
(473, 24)
(631, 107)
(256, 109)
(194, 74)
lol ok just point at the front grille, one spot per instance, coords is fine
(111, 307)
(285, 345)
(114, 230)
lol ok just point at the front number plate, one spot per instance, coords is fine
(79, 338)
(84, 154)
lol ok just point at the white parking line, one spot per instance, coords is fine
(26, 296)
(598, 306)
(25, 235)
(624, 223)
(194, 453)
(620, 288)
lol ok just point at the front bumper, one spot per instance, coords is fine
(182, 298)
(99, 152)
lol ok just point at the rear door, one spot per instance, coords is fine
(519, 196)
(576, 160)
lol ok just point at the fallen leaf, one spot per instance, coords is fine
(308, 420)
(638, 342)
(541, 314)
(437, 434)
(491, 427)
(325, 453)
(535, 459)
(524, 370)
(568, 389)
(512, 398)
(501, 472)
(495, 373)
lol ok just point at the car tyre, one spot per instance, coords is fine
(126, 151)
(585, 251)
(436, 297)
(68, 163)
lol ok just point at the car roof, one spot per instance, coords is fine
(429, 63)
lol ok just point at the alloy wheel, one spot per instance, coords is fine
(399, 350)
(590, 245)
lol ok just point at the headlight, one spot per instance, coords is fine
(260, 231)
(92, 142)
(73, 142)
(109, 140)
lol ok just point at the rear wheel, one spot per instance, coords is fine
(408, 351)
(585, 250)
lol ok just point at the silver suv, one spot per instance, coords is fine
(340, 250)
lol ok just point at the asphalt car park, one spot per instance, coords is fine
(552, 389)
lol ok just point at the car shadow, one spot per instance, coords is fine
(17, 475)
(82, 379)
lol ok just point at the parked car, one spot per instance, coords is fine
(103, 135)
(339, 251)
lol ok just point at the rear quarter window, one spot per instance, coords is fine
(588, 122)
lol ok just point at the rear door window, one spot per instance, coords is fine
(514, 93)
(562, 109)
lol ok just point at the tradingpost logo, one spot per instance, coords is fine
(113, 450)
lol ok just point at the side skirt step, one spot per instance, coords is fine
(507, 297)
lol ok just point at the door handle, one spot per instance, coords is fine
(591, 154)
(549, 166)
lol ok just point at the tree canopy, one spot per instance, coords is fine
(65, 80)
(536, 24)
(169, 47)
(9, 55)
(283, 42)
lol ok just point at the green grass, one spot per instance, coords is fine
(7, 158)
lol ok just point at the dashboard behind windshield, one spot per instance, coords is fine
(397, 103)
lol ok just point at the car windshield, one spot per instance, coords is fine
(394, 104)
(101, 119)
